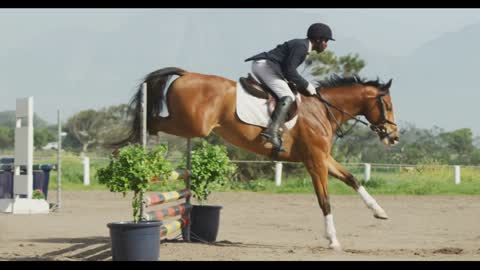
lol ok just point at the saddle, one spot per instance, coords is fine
(260, 90)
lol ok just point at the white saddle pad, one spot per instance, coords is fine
(255, 111)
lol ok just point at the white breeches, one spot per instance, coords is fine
(267, 75)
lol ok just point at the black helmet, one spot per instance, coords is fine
(319, 30)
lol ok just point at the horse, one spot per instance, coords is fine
(204, 103)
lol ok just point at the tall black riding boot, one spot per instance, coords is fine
(278, 118)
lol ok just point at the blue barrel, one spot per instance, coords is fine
(41, 179)
(6, 160)
(6, 184)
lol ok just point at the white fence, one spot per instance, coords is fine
(367, 168)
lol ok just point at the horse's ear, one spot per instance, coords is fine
(386, 87)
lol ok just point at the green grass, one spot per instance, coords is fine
(435, 180)
(72, 175)
(426, 180)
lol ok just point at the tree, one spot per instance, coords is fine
(41, 136)
(475, 157)
(323, 64)
(6, 137)
(85, 126)
(350, 148)
(115, 123)
(245, 171)
(95, 128)
(70, 142)
(460, 144)
(327, 63)
(7, 118)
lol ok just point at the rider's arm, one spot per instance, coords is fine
(294, 59)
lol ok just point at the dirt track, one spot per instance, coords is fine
(258, 226)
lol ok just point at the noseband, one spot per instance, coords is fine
(380, 128)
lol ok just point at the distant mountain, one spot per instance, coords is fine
(438, 83)
(378, 64)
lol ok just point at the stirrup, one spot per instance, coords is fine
(266, 135)
(276, 148)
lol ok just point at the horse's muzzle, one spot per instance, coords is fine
(390, 138)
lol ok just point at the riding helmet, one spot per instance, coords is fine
(319, 30)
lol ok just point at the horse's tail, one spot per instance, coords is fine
(156, 83)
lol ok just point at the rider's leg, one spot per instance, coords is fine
(279, 115)
(264, 72)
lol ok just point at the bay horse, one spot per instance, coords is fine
(200, 104)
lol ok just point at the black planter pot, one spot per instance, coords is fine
(135, 241)
(205, 220)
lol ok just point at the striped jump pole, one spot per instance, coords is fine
(158, 215)
(163, 197)
(181, 210)
(173, 226)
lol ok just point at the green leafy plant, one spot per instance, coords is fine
(131, 169)
(211, 169)
(38, 194)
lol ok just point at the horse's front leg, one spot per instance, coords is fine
(319, 172)
(336, 170)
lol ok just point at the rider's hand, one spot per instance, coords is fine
(311, 89)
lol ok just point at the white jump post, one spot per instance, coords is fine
(456, 172)
(278, 173)
(59, 162)
(22, 202)
(368, 169)
(86, 171)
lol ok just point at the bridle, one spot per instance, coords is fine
(379, 128)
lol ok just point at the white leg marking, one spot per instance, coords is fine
(331, 233)
(371, 203)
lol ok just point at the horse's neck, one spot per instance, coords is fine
(348, 100)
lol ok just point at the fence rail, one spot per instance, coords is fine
(368, 169)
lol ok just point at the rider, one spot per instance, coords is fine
(280, 64)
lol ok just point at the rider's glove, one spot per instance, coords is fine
(311, 89)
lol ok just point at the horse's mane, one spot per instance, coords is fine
(339, 81)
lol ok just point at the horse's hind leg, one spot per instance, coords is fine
(338, 171)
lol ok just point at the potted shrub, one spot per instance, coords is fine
(211, 169)
(131, 169)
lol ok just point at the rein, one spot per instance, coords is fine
(378, 128)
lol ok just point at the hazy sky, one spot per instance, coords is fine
(411, 27)
(407, 28)
(393, 32)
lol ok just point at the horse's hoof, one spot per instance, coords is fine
(380, 214)
(335, 246)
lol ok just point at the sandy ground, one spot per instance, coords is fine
(260, 227)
